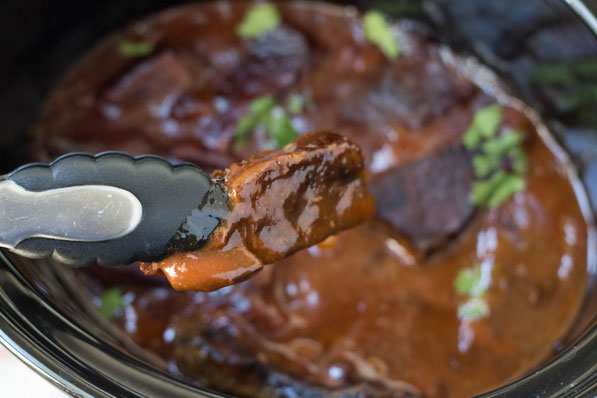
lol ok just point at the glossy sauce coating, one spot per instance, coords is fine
(372, 311)
(280, 202)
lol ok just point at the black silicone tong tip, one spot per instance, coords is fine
(181, 206)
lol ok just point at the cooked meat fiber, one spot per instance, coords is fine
(401, 94)
(281, 201)
(427, 200)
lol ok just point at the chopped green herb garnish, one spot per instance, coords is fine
(260, 109)
(112, 302)
(508, 186)
(469, 282)
(499, 160)
(484, 125)
(260, 19)
(473, 284)
(128, 48)
(280, 128)
(465, 280)
(296, 104)
(482, 190)
(379, 32)
(497, 189)
(498, 148)
(245, 127)
(473, 309)
(299, 103)
(485, 164)
(263, 105)
(518, 159)
(274, 119)
(501, 144)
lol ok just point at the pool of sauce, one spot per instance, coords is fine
(371, 311)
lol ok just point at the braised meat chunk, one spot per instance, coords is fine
(427, 200)
(271, 62)
(281, 201)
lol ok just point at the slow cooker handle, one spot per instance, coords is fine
(110, 209)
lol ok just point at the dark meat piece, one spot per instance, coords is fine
(272, 62)
(157, 99)
(281, 201)
(154, 100)
(153, 80)
(218, 356)
(412, 92)
(426, 200)
(120, 114)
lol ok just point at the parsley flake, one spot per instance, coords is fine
(274, 119)
(485, 164)
(263, 105)
(280, 128)
(484, 125)
(296, 104)
(497, 189)
(499, 160)
(518, 159)
(501, 144)
(244, 128)
(379, 32)
(508, 186)
(260, 108)
(473, 309)
(260, 19)
(469, 281)
(129, 49)
(112, 302)
(496, 150)
(473, 284)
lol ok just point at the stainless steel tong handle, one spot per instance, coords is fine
(87, 213)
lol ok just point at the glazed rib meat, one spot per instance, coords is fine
(281, 201)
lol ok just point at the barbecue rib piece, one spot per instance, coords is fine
(281, 201)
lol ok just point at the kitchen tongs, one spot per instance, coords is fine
(110, 209)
